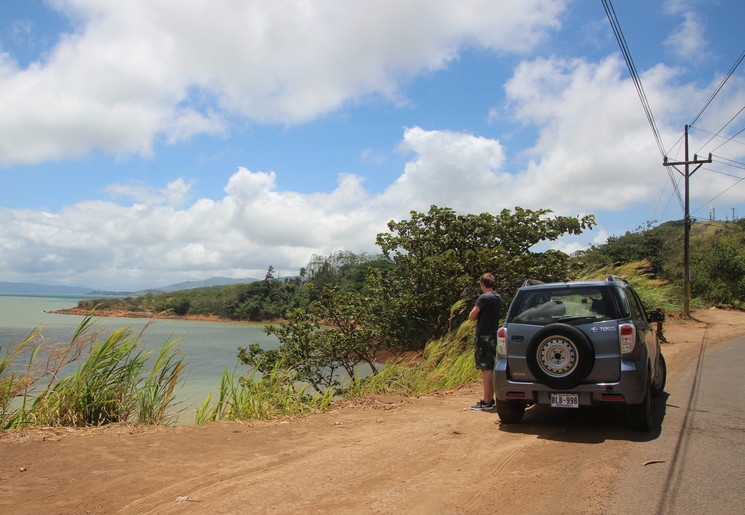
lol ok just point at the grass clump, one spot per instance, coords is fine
(111, 383)
(654, 291)
(446, 363)
(261, 396)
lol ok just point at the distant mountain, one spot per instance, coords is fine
(8, 288)
(207, 283)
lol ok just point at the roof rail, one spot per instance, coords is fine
(610, 278)
(532, 282)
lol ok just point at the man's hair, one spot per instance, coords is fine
(488, 280)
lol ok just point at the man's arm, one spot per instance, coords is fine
(474, 314)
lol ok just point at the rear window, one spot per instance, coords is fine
(545, 306)
(623, 302)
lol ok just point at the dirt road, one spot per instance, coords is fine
(383, 455)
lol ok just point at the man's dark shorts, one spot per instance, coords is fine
(485, 351)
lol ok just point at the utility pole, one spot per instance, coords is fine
(687, 219)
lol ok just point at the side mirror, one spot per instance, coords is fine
(656, 316)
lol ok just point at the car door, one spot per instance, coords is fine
(644, 329)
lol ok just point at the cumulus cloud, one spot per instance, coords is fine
(153, 241)
(595, 148)
(161, 237)
(174, 194)
(688, 41)
(451, 169)
(135, 71)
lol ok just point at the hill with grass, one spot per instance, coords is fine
(717, 253)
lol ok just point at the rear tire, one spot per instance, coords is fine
(660, 377)
(640, 415)
(510, 412)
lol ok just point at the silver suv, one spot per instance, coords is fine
(575, 344)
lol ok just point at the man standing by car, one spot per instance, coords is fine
(486, 313)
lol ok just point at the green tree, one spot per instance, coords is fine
(269, 278)
(432, 262)
(643, 243)
(438, 257)
(343, 270)
(329, 337)
(718, 269)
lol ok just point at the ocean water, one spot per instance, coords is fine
(208, 347)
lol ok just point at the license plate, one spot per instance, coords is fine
(565, 400)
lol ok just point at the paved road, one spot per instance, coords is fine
(701, 445)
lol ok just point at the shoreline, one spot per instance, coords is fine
(120, 313)
(382, 356)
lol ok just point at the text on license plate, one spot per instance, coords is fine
(564, 400)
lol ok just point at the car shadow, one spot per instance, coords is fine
(587, 424)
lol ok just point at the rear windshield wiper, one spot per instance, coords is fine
(582, 317)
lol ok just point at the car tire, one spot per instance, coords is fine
(660, 377)
(510, 412)
(640, 415)
(560, 356)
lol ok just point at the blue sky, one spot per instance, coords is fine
(150, 142)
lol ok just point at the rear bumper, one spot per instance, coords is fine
(630, 389)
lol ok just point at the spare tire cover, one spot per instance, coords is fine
(560, 356)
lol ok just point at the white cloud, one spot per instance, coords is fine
(139, 70)
(688, 41)
(451, 169)
(153, 241)
(592, 155)
(595, 149)
(174, 194)
(134, 72)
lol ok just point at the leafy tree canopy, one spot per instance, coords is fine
(438, 257)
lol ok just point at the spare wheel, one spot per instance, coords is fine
(560, 356)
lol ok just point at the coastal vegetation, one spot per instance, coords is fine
(342, 312)
(92, 380)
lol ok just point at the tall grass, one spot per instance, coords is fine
(110, 384)
(33, 366)
(158, 392)
(654, 292)
(261, 397)
(447, 363)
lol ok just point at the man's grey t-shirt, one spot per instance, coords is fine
(490, 307)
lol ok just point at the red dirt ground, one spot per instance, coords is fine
(391, 454)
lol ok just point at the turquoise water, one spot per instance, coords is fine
(209, 347)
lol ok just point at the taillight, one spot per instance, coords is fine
(627, 337)
(502, 341)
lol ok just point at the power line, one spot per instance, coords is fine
(722, 193)
(727, 161)
(670, 198)
(721, 85)
(731, 138)
(616, 26)
(618, 33)
(676, 148)
(722, 173)
(720, 130)
(723, 161)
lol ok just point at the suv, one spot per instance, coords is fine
(575, 344)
